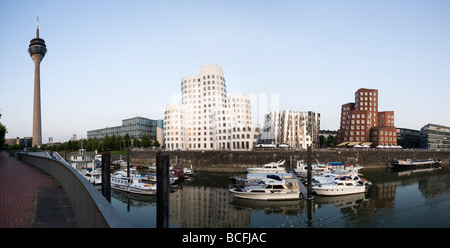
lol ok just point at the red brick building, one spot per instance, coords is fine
(362, 124)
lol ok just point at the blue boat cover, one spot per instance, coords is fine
(274, 177)
(336, 163)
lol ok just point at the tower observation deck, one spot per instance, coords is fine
(37, 45)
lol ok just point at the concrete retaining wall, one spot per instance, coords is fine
(90, 206)
(239, 160)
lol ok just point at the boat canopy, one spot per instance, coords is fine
(336, 163)
(274, 177)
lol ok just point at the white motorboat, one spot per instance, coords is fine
(254, 179)
(340, 187)
(269, 189)
(270, 168)
(133, 172)
(92, 175)
(189, 171)
(120, 163)
(316, 169)
(152, 178)
(132, 185)
(328, 178)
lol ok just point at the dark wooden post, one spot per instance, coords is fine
(106, 177)
(162, 190)
(308, 158)
(128, 162)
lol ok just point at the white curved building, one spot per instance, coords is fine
(206, 119)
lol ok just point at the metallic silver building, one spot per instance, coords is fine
(293, 128)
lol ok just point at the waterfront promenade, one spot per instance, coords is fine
(30, 198)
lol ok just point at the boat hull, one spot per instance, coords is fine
(264, 171)
(132, 185)
(276, 196)
(334, 191)
(400, 164)
(95, 181)
(133, 190)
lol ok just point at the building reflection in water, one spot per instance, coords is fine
(205, 207)
(197, 205)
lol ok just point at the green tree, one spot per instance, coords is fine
(16, 147)
(84, 142)
(121, 142)
(106, 143)
(95, 144)
(3, 132)
(331, 141)
(146, 142)
(156, 143)
(69, 145)
(88, 145)
(136, 142)
(127, 140)
(321, 141)
(34, 148)
(44, 147)
(115, 143)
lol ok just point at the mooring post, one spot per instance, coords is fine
(162, 190)
(308, 158)
(106, 177)
(290, 163)
(128, 162)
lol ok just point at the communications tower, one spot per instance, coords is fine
(37, 50)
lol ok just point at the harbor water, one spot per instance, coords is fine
(417, 199)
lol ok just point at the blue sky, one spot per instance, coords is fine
(112, 60)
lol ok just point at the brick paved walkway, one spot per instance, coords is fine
(20, 185)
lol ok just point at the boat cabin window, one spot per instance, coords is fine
(348, 184)
(278, 187)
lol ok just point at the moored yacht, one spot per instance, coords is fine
(254, 179)
(189, 171)
(272, 167)
(340, 187)
(132, 185)
(270, 189)
(328, 178)
(302, 168)
(92, 175)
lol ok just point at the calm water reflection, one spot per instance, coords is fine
(411, 199)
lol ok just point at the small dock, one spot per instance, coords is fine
(303, 188)
(304, 191)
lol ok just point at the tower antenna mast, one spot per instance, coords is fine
(37, 29)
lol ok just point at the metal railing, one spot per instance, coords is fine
(90, 206)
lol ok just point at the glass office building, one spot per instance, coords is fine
(408, 138)
(434, 136)
(135, 127)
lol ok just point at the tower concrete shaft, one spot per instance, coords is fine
(37, 50)
(37, 128)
